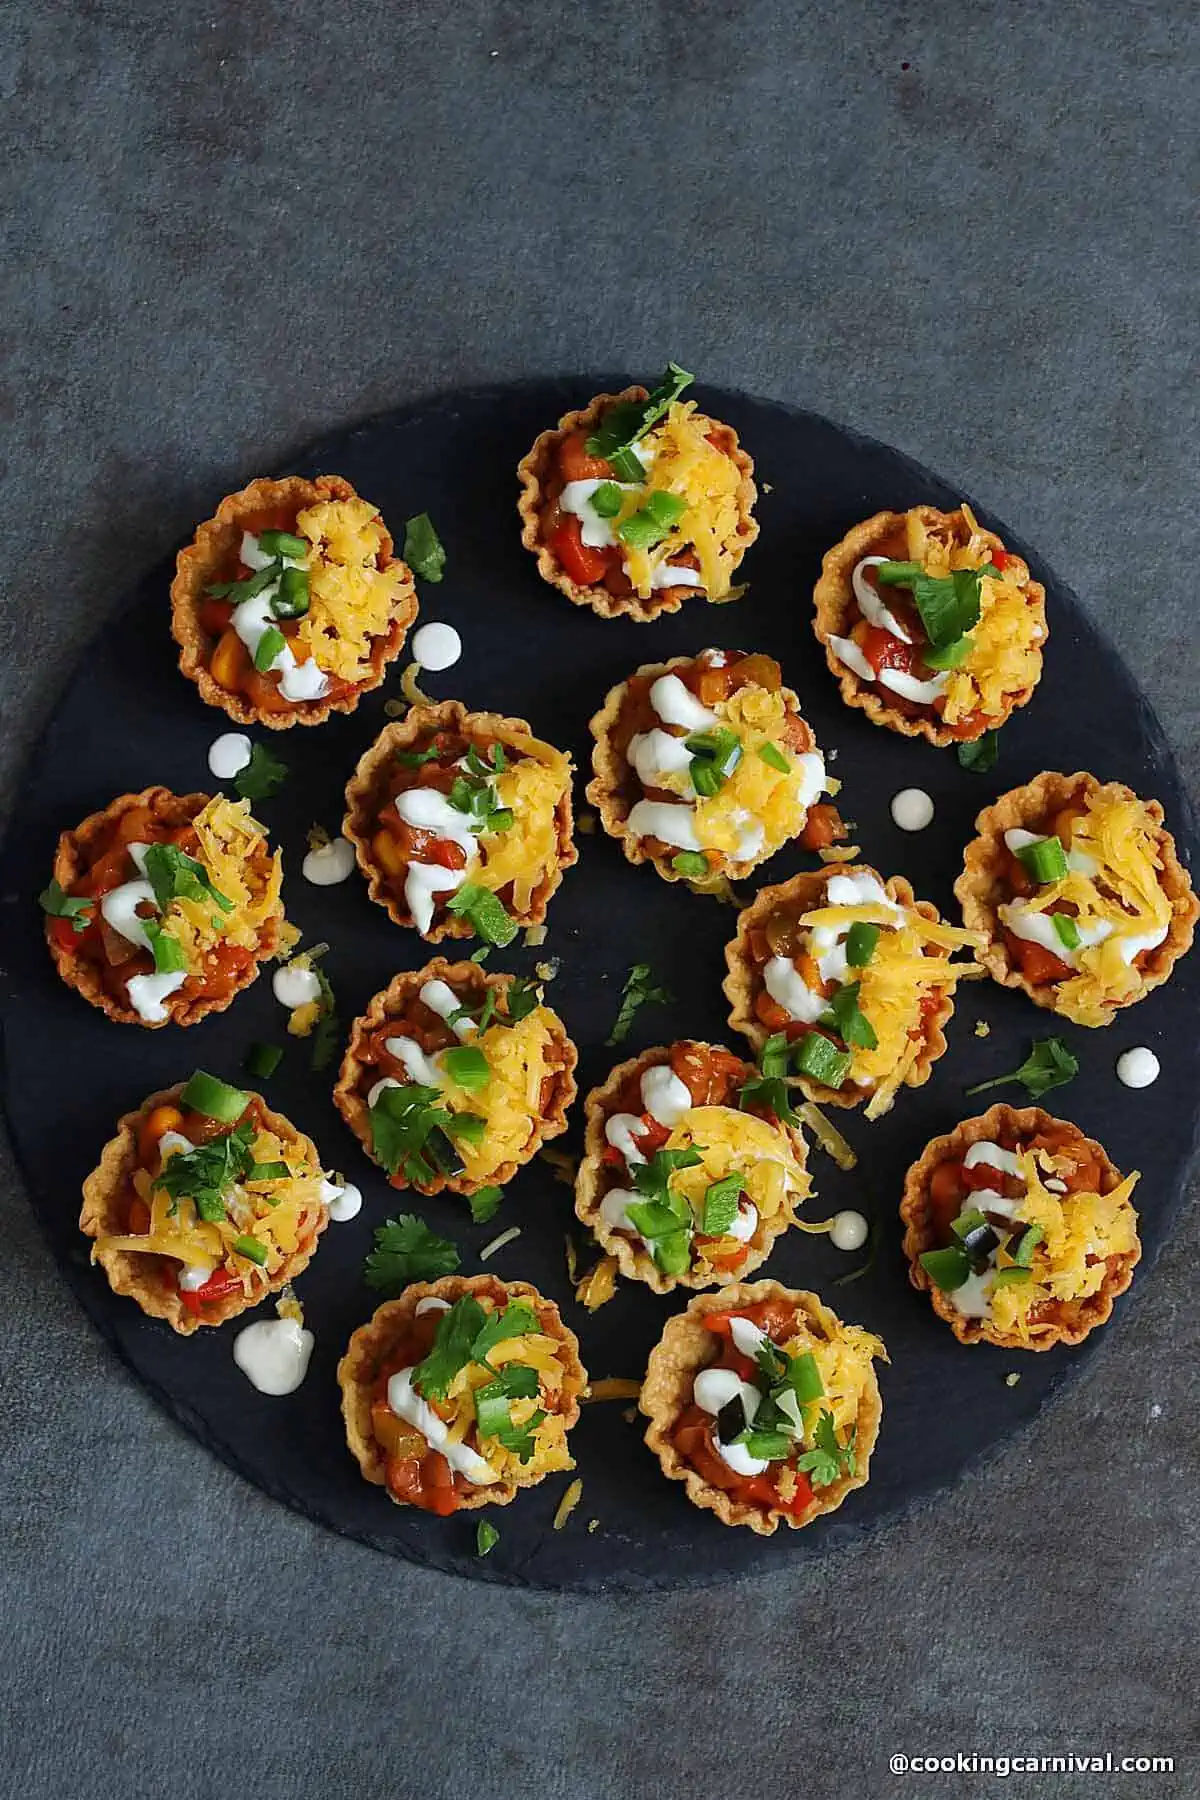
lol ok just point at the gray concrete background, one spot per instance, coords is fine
(963, 229)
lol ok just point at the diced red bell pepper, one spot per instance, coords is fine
(582, 564)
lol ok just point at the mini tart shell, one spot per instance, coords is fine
(635, 1263)
(470, 979)
(372, 1343)
(833, 598)
(202, 562)
(362, 810)
(743, 982)
(535, 469)
(982, 887)
(613, 772)
(683, 1350)
(140, 1275)
(1082, 1315)
(71, 860)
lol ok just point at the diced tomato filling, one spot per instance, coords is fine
(693, 1433)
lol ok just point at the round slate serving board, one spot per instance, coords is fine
(129, 719)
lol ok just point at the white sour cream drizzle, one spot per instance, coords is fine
(441, 998)
(416, 1065)
(229, 754)
(876, 612)
(294, 987)
(408, 1405)
(1138, 1067)
(253, 619)
(426, 810)
(329, 864)
(273, 1354)
(436, 646)
(147, 994)
(912, 809)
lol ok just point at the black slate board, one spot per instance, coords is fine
(128, 719)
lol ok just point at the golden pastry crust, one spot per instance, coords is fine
(614, 782)
(982, 887)
(362, 806)
(687, 1346)
(743, 983)
(74, 855)
(202, 562)
(372, 1343)
(635, 1262)
(1077, 1317)
(473, 982)
(141, 1276)
(833, 599)
(535, 469)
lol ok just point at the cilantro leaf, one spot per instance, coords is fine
(453, 1347)
(1049, 1065)
(402, 1120)
(60, 905)
(828, 1458)
(166, 950)
(767, 1091)
(849, 1021)
(640, 990)
(205, 1174)
(174, 876)
(625, 423)
(485, 1204)
(981, 753)
(515, 1320)
(423, 549)
(406, 1250)
(262, 776)
(522, 998)
(485, 912)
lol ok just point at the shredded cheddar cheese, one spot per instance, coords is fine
(843, 1355)
(510, 1102)
(276, 1213)
(911, 956)
(1081, 1230)
(351, 600)
(730, 1141)
(532, 787)
(1005, 656)
(1122, 896)
(688, 465)
(231, 843)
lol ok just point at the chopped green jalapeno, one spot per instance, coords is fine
(1045, 860)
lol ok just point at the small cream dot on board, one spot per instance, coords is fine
(1138, 1068)
(912, 809)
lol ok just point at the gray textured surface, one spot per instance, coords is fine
(231, 228)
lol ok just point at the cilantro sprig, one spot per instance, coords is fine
(767, 1091)
(949, 606)
(424, 551)
(640, 990)
(625, 423)
(413, 1134)
(1049, 1065)
(55, 901)
(206, 1174)
(467, 1334)
(829, 1458)
(262, 776)
(406, 1250)
(474, 793)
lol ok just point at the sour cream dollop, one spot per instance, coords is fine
(229, 754)
(294, 987)
(273, 1354)
(1139, 1067)
(436, 646)
(912, 809)
(331, 863)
